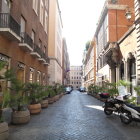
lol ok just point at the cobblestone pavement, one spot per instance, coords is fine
(75, 116)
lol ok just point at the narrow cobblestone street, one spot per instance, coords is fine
(75, 116)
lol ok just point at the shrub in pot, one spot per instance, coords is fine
(18, 103)
(51, 94)
(57, 90)
(4, 130)
(34, 96)
(4, 102)
(44, 95)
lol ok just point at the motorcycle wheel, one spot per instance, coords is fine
(127, 120)
(107, 111)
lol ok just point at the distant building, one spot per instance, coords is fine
(89, 64)
(65, 64)
(55, 43)
(76, 76)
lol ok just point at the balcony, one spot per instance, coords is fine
(9, 27)
(26, 42)
(43, 58)
(36, 51)
(47, 61)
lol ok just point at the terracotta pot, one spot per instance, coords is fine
(35, 108)
(61, 95)
(51, 100)
(44, 103)
(4, 131)
(56, 98)
(20, 117)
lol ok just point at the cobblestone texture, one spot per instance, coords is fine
(75, 116)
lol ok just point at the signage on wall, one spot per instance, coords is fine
(4, 58)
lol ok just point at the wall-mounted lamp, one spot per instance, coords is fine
(128, 14)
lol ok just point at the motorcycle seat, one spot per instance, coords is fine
(137, 108)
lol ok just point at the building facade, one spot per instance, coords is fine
(89, 65)
(126, 68)
(137, 25)
(76, 76)
(24, 39)
(55, 43)
(112, 25)
(65, 64)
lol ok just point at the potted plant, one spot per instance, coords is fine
(57, 90)
(18, 103)
(34, 96)
(62, 90)
(44, 95)
(4, 102)
(51, 95)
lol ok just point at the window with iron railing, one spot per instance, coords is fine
(35, 6)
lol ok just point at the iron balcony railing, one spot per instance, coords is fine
(41, 53)
(36, 49)
(25, 38)
(7, 21)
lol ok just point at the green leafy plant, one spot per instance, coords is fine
(124, 83)
(94, 89)
(4, 102)
(33, 90)
(112, 89)
(5, 97)
(51, 91)
(44, 93)
(19, 98)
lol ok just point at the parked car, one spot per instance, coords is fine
(82, 89)
(68, 90)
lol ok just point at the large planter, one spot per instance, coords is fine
(35, 108)
(51, 100)
(56, 98)
(4, 131)
(20, 117)
(44, 103)
(61, 95)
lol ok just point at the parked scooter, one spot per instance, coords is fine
(130, 113)
(112, 105)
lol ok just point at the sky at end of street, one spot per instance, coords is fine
(79, 19)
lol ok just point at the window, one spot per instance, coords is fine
(44, 79)
(21, 72)
(46, 22)
(8, 2)
(31, 75)
(40, 43)
(33, 36)
(77, 82)
(41, 11)
(3, 83)
(77, 77)
(44, 49)
(35, 6)
(38, 77)
(23, 24)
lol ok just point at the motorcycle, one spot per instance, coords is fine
(130, 113)
(112, 105)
